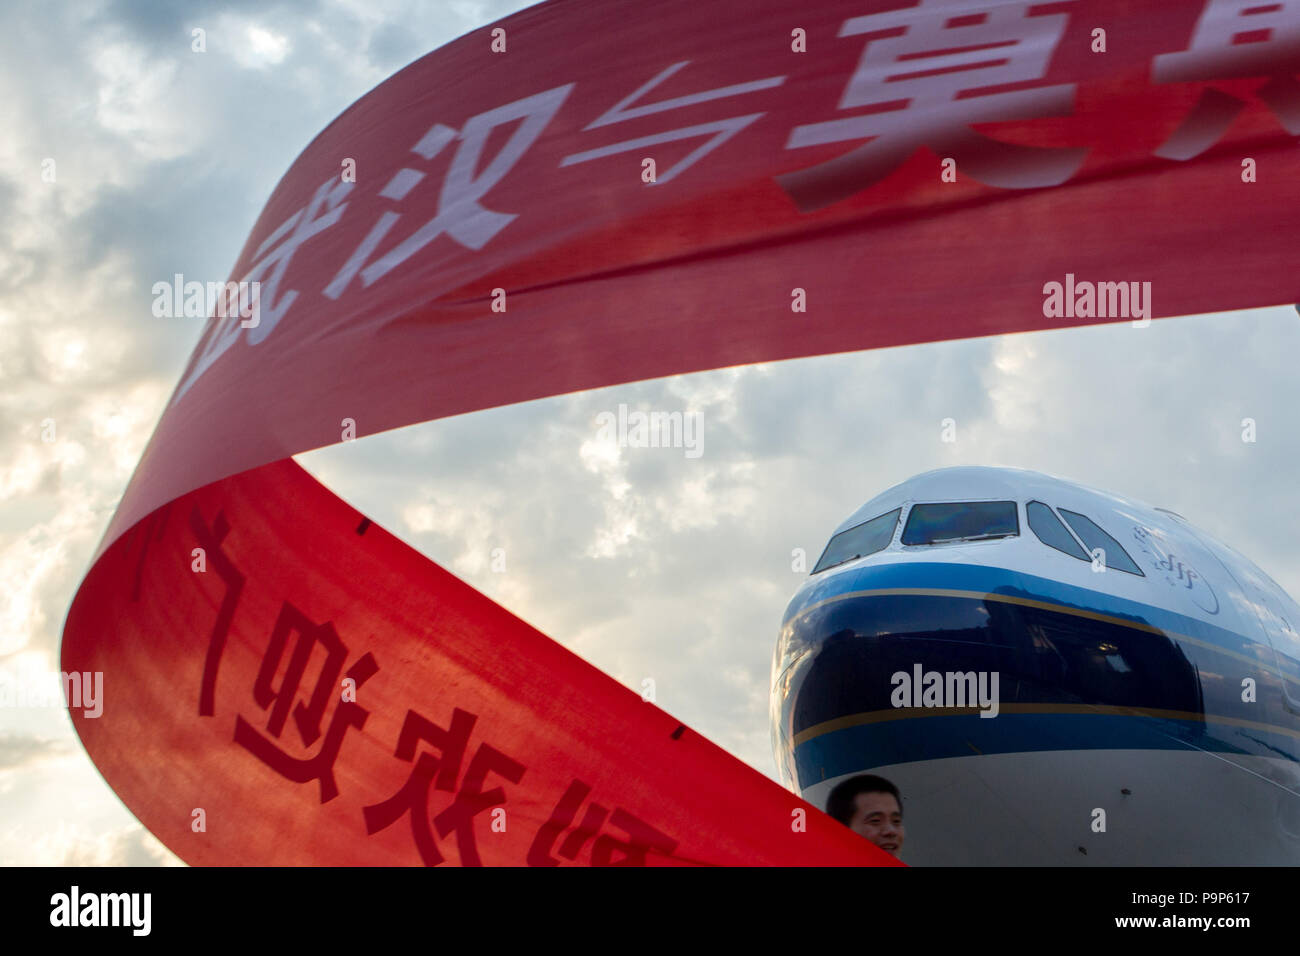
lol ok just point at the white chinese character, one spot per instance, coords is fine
(1236, 38)
(924, 85)
(321, 212)
(722, 130)
(459, 215)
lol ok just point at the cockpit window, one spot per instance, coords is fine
(1093, 538)
(859, 541)
(961, 521)
(1051, 532)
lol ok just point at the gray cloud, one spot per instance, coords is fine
(19, 751)
(129, 846)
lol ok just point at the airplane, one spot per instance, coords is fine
(1049, 674)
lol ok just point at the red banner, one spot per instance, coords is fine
(561, 202)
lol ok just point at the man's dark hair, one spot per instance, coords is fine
(840, 803)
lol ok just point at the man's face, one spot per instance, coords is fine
(878, 817)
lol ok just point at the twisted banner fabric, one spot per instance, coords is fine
(586, 194)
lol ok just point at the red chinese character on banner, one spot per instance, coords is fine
(641, 837)
(210, 540)
(307, 717)
(1234, 38)
(925, 75)
(441, 772)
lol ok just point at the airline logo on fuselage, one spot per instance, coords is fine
(1175, 570)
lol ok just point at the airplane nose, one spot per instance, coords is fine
(914, 667)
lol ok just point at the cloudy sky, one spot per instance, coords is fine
(643, 561)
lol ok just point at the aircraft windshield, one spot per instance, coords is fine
(949, 523)
(859, 541)
(1095, 539)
